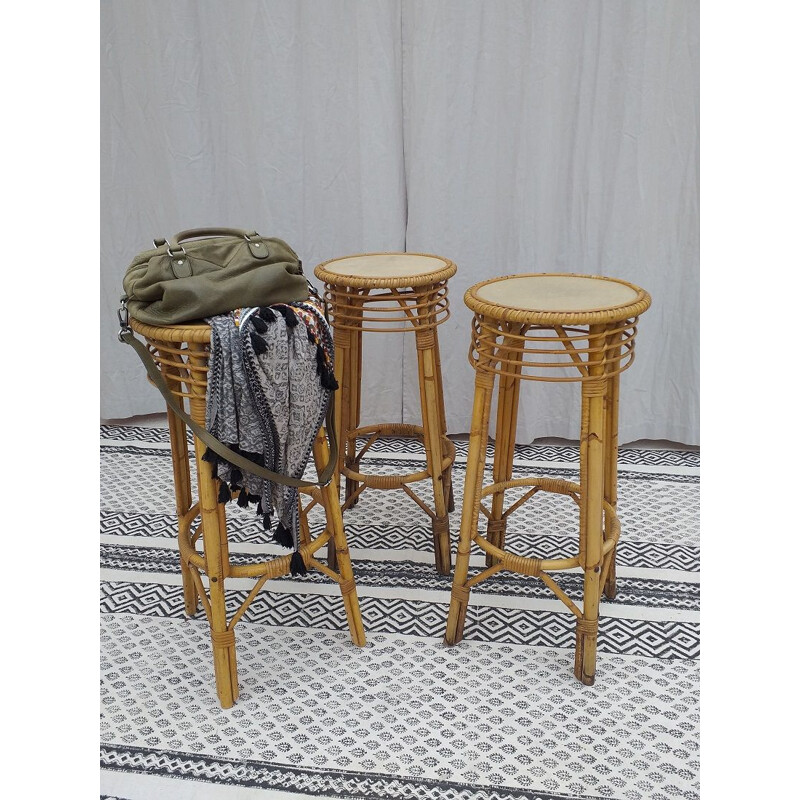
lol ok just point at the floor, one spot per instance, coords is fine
(498, 717)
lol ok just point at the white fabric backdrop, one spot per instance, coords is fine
(562, 137)
(285, 117)
(515, 136)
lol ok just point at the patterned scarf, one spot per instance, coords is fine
(270, 379)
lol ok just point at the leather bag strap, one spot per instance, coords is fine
(323, 478)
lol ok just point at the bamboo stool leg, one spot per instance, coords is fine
(354, 404)
(183, 491)
(470, 509)
(612, 452)
(505, 439)
(432, 434)
(447, 477)
(215, 547)
(333, 522)
(341, 371)
(341, 368)
(593, 432)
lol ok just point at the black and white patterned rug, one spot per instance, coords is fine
(500, 716)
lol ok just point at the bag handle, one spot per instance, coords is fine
(258, 247)
(210, 441)
(197, 233)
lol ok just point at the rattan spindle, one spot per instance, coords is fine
(393, 293)
(181, 353)
(548, 327)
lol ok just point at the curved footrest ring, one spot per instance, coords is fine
(374, 432)
(528, 565)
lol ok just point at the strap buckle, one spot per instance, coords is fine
(123, 317)
(182, 252)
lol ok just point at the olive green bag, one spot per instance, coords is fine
(192, 276)
(182, 280)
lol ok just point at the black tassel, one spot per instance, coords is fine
(259, 324)
(257, 457)
(215, 470)
(210, 456)
(259, 345)
(244, 499)
(329, 381)
(297, 565)
(267, 522)
(236, 476)
(254, 498)
(267, 314)
(310, 335)
(224, 493)
(289, 316)
(282, 536)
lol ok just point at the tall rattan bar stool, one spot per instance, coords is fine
(393, 292)
(543, 327)
(181, 353)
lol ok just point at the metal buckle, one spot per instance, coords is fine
(123, 317)
(172, 255)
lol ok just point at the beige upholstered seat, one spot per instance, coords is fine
(567, 295)
(395, 269)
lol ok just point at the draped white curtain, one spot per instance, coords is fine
(281, 116)
(514, 136)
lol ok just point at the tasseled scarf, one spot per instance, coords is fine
(270, 379)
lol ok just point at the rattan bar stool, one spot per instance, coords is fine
(554, 328)
(393, 292)
(181, 353)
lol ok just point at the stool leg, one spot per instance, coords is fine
(183, 493)
(593, 432)
(333, 522)
(305, 531)
(341, 370)
(470, 509)
(432, 434)
(447, 478)
(352, 379)
(350, 485)
(505, 438)
(612, 451)
(215, 548)
(341, 367)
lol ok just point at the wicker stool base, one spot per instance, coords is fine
(551, 328)
(181, 353)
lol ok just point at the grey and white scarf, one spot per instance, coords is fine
(270, 379)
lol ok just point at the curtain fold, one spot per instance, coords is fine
(515, 136)
(561, 137)
(281, 116)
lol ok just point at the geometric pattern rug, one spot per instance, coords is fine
(498, 717)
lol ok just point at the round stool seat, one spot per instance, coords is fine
(562, 298)
(386, 270)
